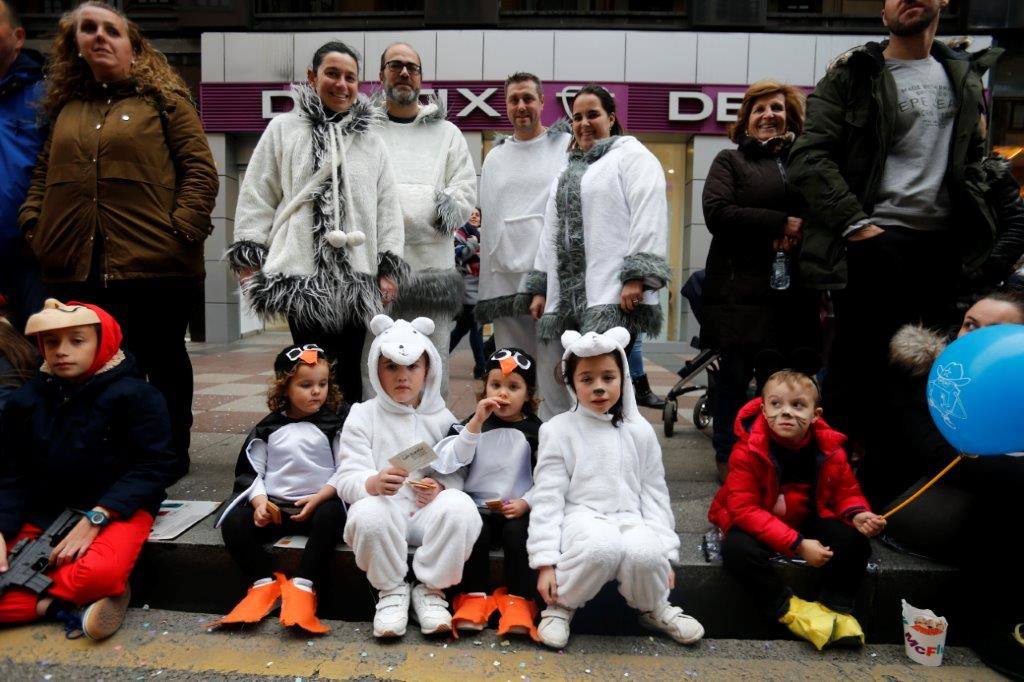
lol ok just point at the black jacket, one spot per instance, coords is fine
(747, 200)
(103, 442)
(1003, 195)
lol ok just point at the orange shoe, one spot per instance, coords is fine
(298, 607)
(472, 611)
(518, 614)
(255, 605)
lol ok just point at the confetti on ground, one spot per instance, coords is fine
(270, 663)
(497, 664)
(309, 643)
(506, 643)
(362, 654)
(145, 607)
(587, 671)
(477, 642)
(47, 676)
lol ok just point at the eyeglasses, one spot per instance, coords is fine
(294, 353)
(396, 66)
(505, 354)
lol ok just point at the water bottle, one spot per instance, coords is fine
(780, 271)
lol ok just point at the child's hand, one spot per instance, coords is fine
(814, 553)
(3, 555)
(388, 482)
(546, 585)
(484, 409)
(513, 509)
(869, 523)
(310, 503)
(260, 515)
(425, 496)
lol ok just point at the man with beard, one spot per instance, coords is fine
(514, 186)
(888, 162)
(437, 191)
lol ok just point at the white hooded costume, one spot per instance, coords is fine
(600, 504)
(437, 192)
(380, 528)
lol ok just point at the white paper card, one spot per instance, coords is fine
(416, 457)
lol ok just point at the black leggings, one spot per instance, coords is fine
(245, 541)
(510, 535)
(345, 348)
(749, 562)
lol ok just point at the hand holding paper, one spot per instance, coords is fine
(413, 458)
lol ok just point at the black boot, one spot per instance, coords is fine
(645, 397)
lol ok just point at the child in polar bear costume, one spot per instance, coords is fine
(600, 503)
(387, 514)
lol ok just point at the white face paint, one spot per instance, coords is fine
(790, 409)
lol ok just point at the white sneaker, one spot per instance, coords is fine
(554, 626)
(430, 609)
(673, 622)
(392, 612)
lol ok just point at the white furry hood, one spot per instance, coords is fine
(404, 342)
(915, 348)
(591, 344)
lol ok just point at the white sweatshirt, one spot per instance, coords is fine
(585, 465)
(378, 429)
(514, 185)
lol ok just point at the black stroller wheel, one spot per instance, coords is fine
(701, 413)
(669, 414)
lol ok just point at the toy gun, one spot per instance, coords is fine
(30, 557)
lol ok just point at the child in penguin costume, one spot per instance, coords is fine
(497, 447)
(283, 487)
(391, 507)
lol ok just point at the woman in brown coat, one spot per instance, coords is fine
(122, 192)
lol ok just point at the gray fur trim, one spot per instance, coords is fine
(644, 265)
(448, 216)
(393, 267)
(645, 319)
(500, 139)
(360, 117)
(536, 283)
(440, 113)
(245, 254)
(511, 305)
(560, 126)
(432, 291)
(915, 348)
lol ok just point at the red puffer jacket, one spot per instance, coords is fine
(751, 489)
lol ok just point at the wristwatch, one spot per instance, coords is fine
(97, 518)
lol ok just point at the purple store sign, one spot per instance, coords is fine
(480, 105)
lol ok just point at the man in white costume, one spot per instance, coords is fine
(437, 191)
(514, 185)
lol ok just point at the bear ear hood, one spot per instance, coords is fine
(592, 344)
(405, 342)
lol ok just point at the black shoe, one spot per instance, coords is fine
(478, 372)
(645, 397)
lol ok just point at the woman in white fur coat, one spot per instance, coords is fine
(318, 229)
(603, 246)
(600, 505)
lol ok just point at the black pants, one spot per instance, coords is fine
(732, 382)
(153, 314)
(345, 348)
(466, 323)
(245, 541)
(898, 277)
(19, 283)
(749, 562)
(510, 535)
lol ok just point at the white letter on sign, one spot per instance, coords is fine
(268, 101)
(674, 98)
(477, 101)
(729, 106)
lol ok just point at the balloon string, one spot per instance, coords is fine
(923, 488)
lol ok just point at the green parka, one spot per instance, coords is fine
(838, 160)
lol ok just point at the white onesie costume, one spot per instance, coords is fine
(380, 528)
(600, 503)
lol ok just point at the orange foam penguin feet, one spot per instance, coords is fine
(298, 608)
(518, 614)
(259, 601)
(472, 611)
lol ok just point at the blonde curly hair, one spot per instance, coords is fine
(69, 76)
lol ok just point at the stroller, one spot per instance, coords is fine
(707, 359)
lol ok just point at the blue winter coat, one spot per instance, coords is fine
(103, 442)
(20, 137)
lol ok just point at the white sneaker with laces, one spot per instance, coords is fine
(430, 609)
(554, 626)
(392, 612)
(673, 622)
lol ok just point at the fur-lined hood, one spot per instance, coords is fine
(360, 117)
(914, 349)
(433, 111)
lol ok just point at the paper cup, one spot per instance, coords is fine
(924, 635)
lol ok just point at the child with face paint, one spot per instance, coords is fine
(790, 491)
(601, 508)
(392, 508)
(496, 447)
(282, 487)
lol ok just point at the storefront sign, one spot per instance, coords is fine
(642, 107)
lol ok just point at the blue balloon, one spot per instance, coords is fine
(976, 391)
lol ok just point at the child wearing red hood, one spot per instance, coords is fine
(790, 491)
(86, 433)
